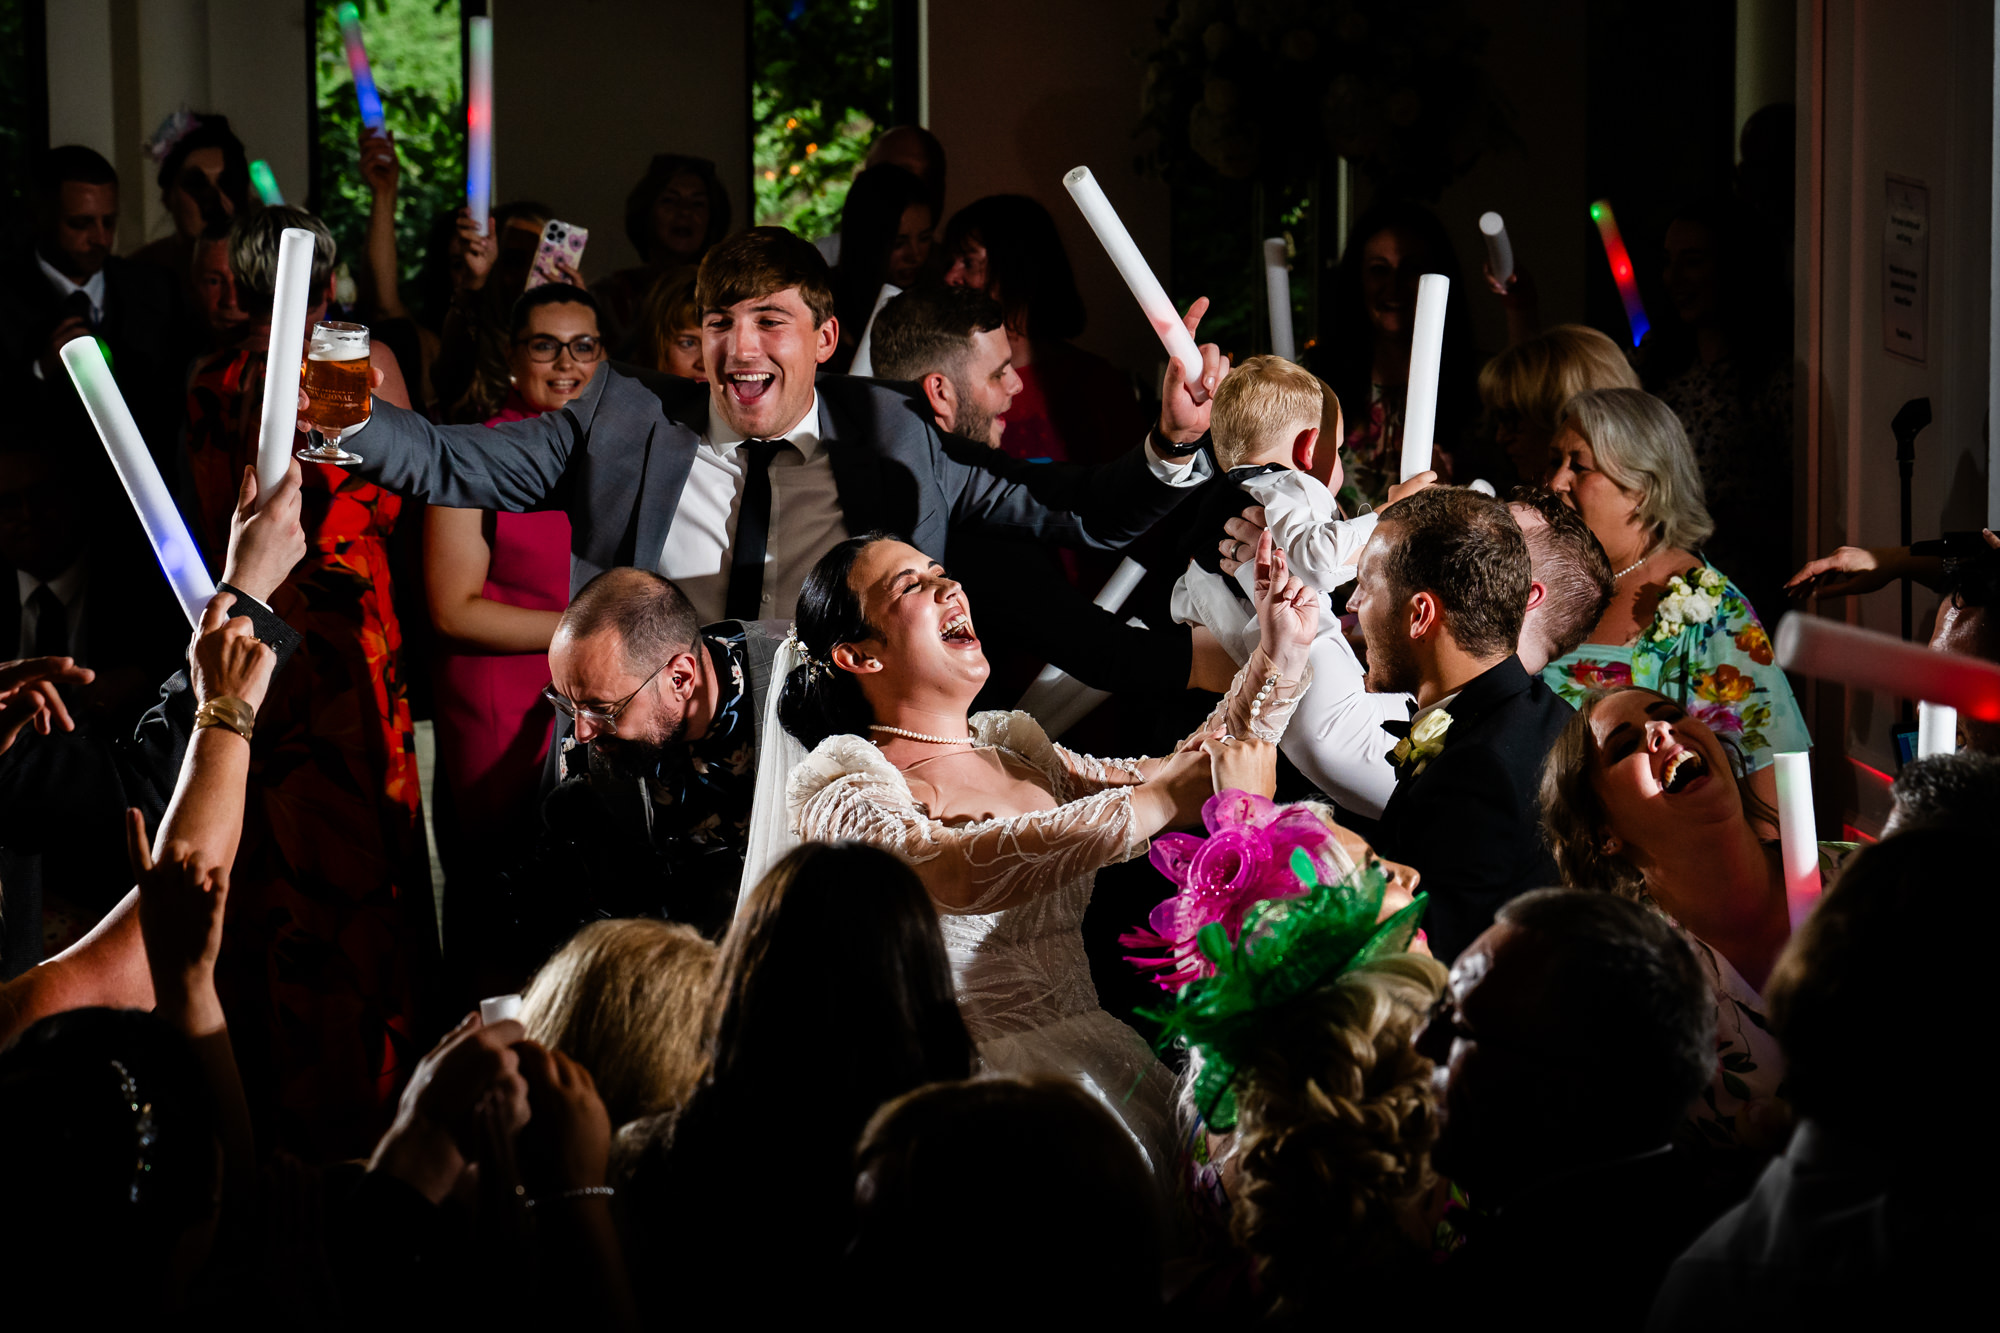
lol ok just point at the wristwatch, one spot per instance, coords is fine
(1166, 448)
(226, 710)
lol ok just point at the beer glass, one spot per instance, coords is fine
(337, 393)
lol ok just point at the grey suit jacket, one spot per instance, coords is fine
(618, 458)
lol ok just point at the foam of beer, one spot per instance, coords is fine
(1426, 360)
(1132, 267)
(290, 302)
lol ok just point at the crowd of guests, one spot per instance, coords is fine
(776, 966)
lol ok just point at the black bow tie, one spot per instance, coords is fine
(1397, 728)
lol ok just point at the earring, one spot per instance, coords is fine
(1612, 846)
(514, 379)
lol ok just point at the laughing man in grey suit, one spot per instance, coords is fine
(734, 489)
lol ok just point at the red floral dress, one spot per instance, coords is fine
(330, 950)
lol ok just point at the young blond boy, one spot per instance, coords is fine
(1266, 429)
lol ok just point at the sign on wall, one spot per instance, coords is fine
(1906, 259)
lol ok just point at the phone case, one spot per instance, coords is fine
(561, 243)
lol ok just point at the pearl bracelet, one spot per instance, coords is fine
(583, 1192)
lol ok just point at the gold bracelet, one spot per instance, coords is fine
(226, 710)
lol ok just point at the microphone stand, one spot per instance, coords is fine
(1910, 420)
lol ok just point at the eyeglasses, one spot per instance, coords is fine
(598, 715)
(584, 347)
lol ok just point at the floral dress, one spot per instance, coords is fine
(331, 949)
(1707, 649)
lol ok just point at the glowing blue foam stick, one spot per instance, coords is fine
(84, 360)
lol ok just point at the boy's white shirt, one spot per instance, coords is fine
(1336, 737)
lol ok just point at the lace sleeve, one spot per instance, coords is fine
(1259, 702)
(1089, 775)
(983, 867)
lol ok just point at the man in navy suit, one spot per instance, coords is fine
(1442, 590)
(734, 489)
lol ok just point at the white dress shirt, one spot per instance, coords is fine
(806, 519)
(92, 287)
(69, 588)
(1336, 737)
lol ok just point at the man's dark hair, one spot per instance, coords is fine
(1960, 791)
(1840, 998)
(70, 162)
(651, 616)
(1467, 550)
(1026, 265)
(760, 262)
(929, 330)
(1573, 568)
(1632, 994)
(1973, 580)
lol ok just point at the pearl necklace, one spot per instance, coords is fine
(919, 736)
(1629, 568)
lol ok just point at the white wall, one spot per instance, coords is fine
(117, 68)
(1908, 90)
(586, 93)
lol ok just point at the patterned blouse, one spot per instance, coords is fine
(1722, 670)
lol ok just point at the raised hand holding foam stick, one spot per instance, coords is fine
(1132, 267)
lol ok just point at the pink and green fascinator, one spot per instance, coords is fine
(1258, 922)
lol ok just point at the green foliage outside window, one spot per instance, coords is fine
(413, 47)
(822, 85)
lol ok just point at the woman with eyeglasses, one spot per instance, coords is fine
(497, 584)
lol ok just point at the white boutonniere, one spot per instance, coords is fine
(1686, 605)
(1423, 744)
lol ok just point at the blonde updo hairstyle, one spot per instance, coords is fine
(1639, 444)
(626, 999)
(1336, 1122)
(1532, 380)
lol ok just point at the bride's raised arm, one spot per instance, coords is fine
(1260, 700)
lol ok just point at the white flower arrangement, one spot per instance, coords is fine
(1424, 743)
(1684, 606)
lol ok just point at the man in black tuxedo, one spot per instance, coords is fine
(69, 285)
(1442, 590)
(734, 489)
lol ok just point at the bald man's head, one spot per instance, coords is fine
(652, 618)
(917, 151)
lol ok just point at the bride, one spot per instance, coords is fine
(1006, 828)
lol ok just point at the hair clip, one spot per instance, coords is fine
(173, 129)
(812, 664)
(144, 1131)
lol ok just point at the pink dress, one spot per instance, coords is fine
(492, 723)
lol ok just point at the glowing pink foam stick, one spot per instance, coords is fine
(1132, 267)
(1798, 836)
(1867, 660)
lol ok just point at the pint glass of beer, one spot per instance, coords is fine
(335, 378)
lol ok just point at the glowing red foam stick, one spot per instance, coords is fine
(479, 121)
(1868, 660)
(1621, 269)
(366, 98)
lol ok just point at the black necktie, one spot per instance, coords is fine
(753, 531)
(51, 623)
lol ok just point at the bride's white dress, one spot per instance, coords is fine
(1023, 981)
